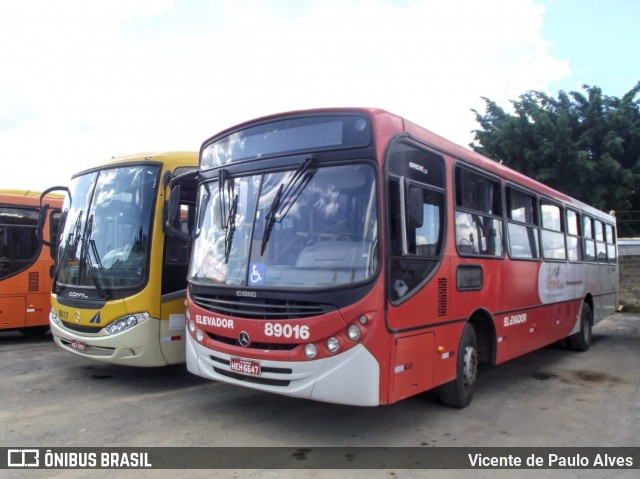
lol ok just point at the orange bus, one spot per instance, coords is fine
(351, 256)
(25, 262)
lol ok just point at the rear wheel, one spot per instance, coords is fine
(581, 340)
(458, 393)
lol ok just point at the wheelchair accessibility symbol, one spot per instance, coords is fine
(256, 275)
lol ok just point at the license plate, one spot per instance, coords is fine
(78, 345)
(245, 366)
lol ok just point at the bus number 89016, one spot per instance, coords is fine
(288, 331)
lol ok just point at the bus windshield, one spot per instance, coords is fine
(106, 237)
(305, 228)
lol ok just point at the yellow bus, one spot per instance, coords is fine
(119, 284)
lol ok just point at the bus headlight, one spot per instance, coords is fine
(53, 317)
(310, 351)
(126, 322)
(354, 333)
(199, 335)
(333, 344)
(192, 326)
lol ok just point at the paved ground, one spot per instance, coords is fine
(552, 397)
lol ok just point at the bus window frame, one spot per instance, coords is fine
(610, 234)
(588, 237)
(499, 217)
(600, 239)
(31, 260)
(533, 226)
(577, 237)
(549, 230)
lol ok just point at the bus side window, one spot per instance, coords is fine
(589, 243)
(553, 243)
(574, 247)
(611, 244)
(523, 221)
(479, 223)
(177, 251)
(601, 248)
(18, 242)
(424, 238)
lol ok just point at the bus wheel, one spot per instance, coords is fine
(581, 340)
(458, 393)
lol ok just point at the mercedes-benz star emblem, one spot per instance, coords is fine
(244, 339)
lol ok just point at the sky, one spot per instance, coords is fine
(82, 81)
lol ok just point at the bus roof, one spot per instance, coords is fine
(438, 143)
(9, 194)
(170, 158)
(29, 197)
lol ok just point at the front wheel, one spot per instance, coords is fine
(581, 340)
(458, 393)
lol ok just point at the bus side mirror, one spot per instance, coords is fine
(415, 207)
(172, 216)
(42, 217)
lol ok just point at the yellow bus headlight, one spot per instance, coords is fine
(126, 322)
(53, 317)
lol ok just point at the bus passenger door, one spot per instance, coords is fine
(174, 283)
(172, 327)
(417, 270)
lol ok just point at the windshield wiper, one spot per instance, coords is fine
(230, 228)
(227, 219)
(86, 259)
(285, 198)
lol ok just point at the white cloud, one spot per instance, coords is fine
(86, 80)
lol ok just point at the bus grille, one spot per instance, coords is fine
(82, 329)
(253, 345)
(252, 379)
(260, 308)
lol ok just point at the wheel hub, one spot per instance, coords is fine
(470, 370)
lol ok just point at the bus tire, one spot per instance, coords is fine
(458, 393)
(581, 340)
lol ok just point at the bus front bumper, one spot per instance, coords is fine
(138, 346)
(352, 377)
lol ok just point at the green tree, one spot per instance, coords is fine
(585, 144)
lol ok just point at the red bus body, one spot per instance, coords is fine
(25, 263)
(516, 262)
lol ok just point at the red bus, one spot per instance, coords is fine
(26, 261)
(353, 257)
